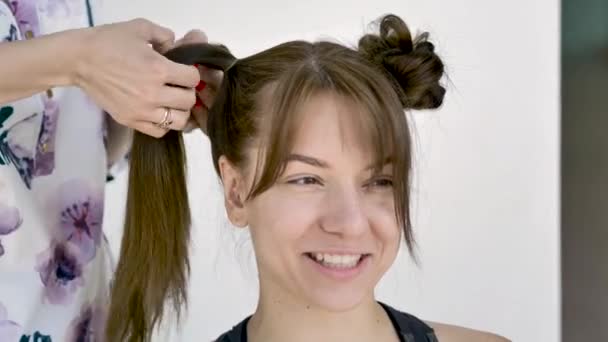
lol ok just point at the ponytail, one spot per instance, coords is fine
(154, 259)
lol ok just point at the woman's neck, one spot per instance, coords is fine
(285, 319)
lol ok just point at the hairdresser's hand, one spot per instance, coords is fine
(206, 90)
(133, 82)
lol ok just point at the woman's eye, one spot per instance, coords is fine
(381, 182)
(304, 181)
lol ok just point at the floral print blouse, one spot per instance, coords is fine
(55, 264)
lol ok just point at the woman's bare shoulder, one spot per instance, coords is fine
(452, 333)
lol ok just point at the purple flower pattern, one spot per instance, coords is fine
(60, 271)
(89, 326)
(81, 217)
(44, 163)
(73, 232)
(27, 17)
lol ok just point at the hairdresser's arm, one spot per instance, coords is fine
(38, 64)
(114, 64)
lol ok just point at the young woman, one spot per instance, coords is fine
(313, 149)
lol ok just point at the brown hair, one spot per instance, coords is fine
(388, 73)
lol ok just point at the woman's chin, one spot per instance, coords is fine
(338, 301)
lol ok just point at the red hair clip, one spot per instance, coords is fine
(199, 102)
(201, 85)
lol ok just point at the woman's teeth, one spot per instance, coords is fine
(337, 261)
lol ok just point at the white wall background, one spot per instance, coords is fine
(487, 204)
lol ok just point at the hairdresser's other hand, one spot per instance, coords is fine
(133, 82)
(206, 89)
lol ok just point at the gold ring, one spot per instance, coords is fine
(167, 120)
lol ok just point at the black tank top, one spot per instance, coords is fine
(408, 328)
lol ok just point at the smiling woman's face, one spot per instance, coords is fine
(326, 232)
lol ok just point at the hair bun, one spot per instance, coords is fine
(413, 65)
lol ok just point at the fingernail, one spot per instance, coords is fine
(201, 85)
(198, 103)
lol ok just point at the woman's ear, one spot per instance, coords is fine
(234, 192)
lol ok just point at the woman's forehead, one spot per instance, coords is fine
(330, 120)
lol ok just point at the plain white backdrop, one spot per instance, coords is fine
(486, 196)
